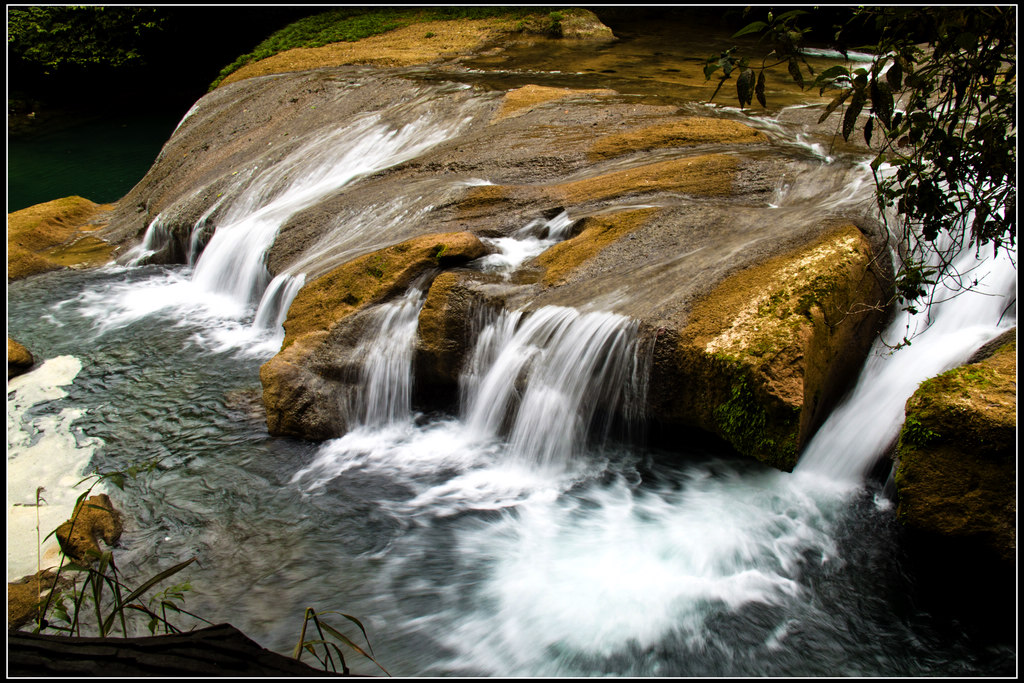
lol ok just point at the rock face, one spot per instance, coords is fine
(303, 383)
(766, 353)
(19, 359)
(94, 518)
(956, 472)
(756, 306)
(57, 234)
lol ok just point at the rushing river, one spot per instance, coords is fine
(512, 537)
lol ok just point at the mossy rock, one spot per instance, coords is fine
(94, 518)
(521, 100)
(683, 132)
(956, 471)
(303, 382)
(54, 235)
(19, 359)
(763, 357)
(595, 234)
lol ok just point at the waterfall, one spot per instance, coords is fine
(869, 419)
(385, 388)
(233, 260)
(553, 375)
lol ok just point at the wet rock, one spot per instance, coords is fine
(682, 132)
(25, 595)
(521, 100)
(763, 356)
(956, 471)
(302, 384)
(19, 359)
(56, 234)
(94, 518)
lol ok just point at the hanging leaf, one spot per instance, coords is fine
(751, 28)
(852, 112)
(882, 102)
(794, 71)
(868, 128)
(829, 76)
(759, 89)
(895, 76)
(745, 87)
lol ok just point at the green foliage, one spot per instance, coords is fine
(331, 649)
(915, 433)
(58, 37)
(940, 105)
(349, 24)
(100, 592)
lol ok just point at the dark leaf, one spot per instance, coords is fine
(794, 71)
(895, 76)
(745, 87)
(868, 128)
(759, 89)
(852, 112)
(882, 102)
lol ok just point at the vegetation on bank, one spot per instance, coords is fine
(349, 24)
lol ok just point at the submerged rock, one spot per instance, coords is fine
(956, 472)
(19, 359)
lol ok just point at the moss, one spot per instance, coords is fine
(599, 232)
(53, 235)
(323, 302)
(686, 132)
(743, 420)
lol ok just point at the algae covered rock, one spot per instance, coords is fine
(305, 384)
(19, 359)
(94, 518)
(956, 472)
(763, 357)
(55, 234)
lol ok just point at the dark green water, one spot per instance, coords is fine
(99, 158)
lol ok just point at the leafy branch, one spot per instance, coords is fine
(938, 107)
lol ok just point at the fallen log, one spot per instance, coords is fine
(220, 650)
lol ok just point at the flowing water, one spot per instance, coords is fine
(519, 535)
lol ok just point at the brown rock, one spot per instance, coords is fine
(686, 132)
(55, 235)
(19, 359)
(763, 357)
(94, 518)
(956, 472)
(302, 384)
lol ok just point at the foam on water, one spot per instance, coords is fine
(44, 449)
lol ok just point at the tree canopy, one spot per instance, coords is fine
(56, 37)
(938, 108)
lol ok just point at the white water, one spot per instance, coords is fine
(44, 450)
(229, 283)
(868, 421)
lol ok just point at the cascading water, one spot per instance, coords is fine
(230, 280)
(516, 537)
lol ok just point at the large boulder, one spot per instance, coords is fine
(956, 472)
(768, 351)
(304, 385)
(57, 234)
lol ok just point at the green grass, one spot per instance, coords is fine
(349, 24)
